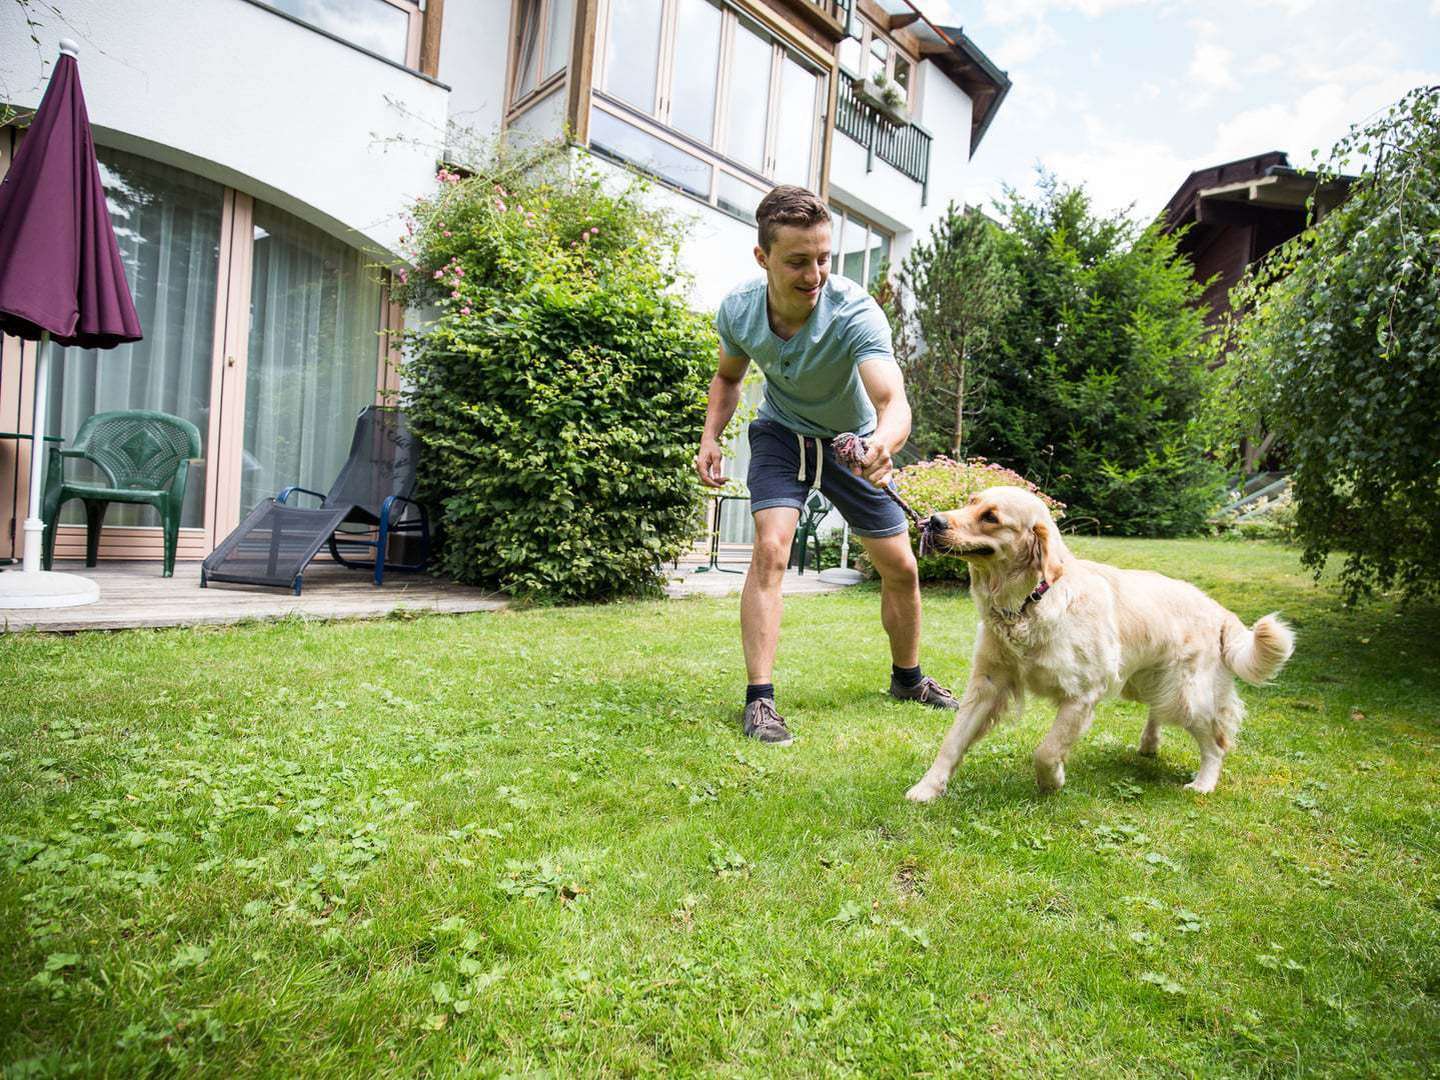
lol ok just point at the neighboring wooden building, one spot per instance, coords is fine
(1239, 212)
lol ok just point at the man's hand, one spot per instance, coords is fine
(710, 464)
(876, 466)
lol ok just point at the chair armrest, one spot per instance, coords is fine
(284, 496)
(390, 499)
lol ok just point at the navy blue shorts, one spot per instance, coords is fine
(777, 478)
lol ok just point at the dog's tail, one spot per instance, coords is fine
(1256, 654)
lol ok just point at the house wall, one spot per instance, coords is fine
(331, 134)
(890, 198)
(474, 49)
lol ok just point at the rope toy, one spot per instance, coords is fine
(852, 450)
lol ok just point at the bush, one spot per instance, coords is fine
(1097, 373)
(1335, 348)
(561, 392)
(942, 484)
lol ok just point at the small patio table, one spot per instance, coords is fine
(4, 562)
(714, 564)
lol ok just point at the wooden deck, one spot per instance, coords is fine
(134, 595)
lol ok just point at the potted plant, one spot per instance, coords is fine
(887, 96)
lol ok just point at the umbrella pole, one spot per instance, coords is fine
(34, 526)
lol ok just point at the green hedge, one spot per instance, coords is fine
(560, 394)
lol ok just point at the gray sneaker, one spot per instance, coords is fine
(927, 692)
(764, 723)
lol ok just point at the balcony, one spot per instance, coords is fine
(829, 17)
(905, 146)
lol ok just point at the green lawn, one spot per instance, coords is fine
(533, 842)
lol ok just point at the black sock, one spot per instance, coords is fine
(755, 691)
(907, 676)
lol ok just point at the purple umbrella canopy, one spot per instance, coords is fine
(60, 268)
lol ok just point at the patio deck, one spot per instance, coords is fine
(134, 595)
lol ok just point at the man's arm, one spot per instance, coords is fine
(724, 397)
(886, 387)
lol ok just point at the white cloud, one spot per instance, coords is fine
(1210, 66)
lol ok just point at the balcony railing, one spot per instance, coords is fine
(905, 146)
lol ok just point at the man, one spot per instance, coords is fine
(824, 346)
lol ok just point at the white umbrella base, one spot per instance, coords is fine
(44, 589)
(840, 575)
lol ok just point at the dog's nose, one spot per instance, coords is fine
(937, 523)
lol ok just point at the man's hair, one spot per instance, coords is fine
(788, 205)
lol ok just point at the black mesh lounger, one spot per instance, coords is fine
(276, 541)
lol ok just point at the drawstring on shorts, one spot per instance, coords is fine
(819, 462)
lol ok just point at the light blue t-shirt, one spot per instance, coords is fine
(812, 381)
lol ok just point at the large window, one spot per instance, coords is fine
(862, 250)
(167, 224)
(542, 44)
(708, 100)
(260, 329)
(313, 355)
(388, 28)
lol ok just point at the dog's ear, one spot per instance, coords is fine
(1048, 548)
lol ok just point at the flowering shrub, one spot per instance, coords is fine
(941, 484)
(560, 392)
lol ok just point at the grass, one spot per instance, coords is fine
(532, 842)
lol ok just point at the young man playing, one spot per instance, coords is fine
(824, 346)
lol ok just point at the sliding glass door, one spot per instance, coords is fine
(167, 223)
(314, 350)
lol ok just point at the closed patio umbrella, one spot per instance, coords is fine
(61, 280)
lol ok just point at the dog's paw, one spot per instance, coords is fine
(1203, 787)
(1050, 776)
(1149, 749)
(925, 791)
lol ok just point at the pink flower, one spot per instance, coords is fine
(455, 295)
(403, 275)
(500, 205)
(439, 274)
(595, 230)
(459, 271)
(464, 311)
(447, 232)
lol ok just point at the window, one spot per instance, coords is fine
(861, 249)
(167, 223)
(872, 53)
(753, 120)
(617, 138)
(388, 28)
(542, 44)
(312, 357)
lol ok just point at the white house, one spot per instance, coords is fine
(259, 156)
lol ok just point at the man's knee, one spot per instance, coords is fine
(896, 566)
(770, 554)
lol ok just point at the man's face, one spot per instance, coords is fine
(797, 264)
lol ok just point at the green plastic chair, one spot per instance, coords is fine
(808, 530)
(146, 456)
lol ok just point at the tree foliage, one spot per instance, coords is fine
(1335, 347)
(561, 391)
(1096, 378)
(961, 288)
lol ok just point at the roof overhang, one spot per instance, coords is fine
(1245, 191)
(959, 58)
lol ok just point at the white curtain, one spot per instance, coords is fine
(167, 223)
(313, 359)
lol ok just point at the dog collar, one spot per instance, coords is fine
(1035, 594)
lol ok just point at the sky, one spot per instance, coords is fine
(1129, 97)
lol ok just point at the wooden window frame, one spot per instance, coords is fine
(223, 436)
(869, 31)
(514, 106)
(783, 44)
(847, 216)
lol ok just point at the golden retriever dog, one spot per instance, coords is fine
(1076, 632)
